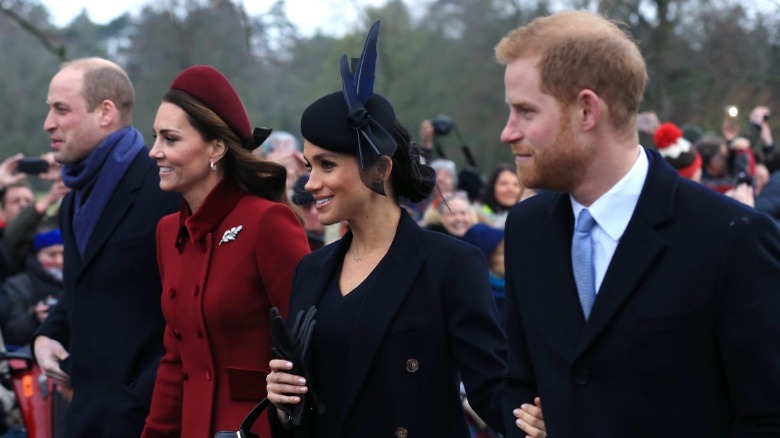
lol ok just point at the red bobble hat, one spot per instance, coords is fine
(676, 150)
(208, 85)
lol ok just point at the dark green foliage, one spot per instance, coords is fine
(435, 57)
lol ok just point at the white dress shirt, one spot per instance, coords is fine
(612, 211)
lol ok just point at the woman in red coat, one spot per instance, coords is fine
(225, 259)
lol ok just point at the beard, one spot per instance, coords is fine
(559, 167)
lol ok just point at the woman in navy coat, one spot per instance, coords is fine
(225, 259)
(403, 314)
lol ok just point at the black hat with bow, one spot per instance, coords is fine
(355, 120)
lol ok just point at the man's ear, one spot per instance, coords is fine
(590, 109)
(108, 113)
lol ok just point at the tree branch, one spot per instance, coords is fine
(57, 50)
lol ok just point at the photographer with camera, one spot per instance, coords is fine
(20, 231)
(759, 133)
(742, 164)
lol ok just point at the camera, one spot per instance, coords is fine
(442, 125)
(32, 165)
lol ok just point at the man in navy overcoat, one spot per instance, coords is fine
(660, 315)
(104, 337)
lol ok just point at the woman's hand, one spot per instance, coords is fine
(284, 388)
(530, 419)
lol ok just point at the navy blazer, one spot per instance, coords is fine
(109, 316)
(430, 319)
(684, 336)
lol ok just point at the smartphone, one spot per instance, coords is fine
(743, 178)
(32, 165)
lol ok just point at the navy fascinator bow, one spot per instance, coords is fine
(376, 146)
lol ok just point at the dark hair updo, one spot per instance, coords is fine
(411, 178)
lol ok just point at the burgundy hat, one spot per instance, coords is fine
(208, 85)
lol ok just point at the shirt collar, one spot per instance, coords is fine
(613, 210)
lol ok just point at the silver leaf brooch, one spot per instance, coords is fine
(230, 234)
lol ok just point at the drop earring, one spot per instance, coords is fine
(213, 166)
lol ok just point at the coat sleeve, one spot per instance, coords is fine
(56, 326)
(281, 243)
(475, 333)
(520, 383)
(164, 418)
(747, 309)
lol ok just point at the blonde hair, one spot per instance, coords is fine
(582, 50)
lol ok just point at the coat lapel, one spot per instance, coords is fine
(72, 256)
(560, 291)
(638, 249)
(391, 284)
(121, 202)
(312, 289)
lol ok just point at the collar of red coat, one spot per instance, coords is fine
(217, 205)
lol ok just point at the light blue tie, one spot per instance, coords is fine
(582, 260)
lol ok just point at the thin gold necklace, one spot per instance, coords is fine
(363, 257)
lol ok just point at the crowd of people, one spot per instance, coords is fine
(618, 278)
(738, 162)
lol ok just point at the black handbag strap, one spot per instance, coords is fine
(244, 431)
(251, 417)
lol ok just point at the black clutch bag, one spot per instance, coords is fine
(294, 346)
(244, 430)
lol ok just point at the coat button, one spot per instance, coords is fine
(185, 375)
(195, 291)
(208, 375)
(172, 292)
(412, 365)
(176, 334)
(200, 334)
(581, 376)
(401, 432)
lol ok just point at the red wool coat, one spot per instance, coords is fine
(222, 269)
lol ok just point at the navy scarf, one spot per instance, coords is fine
(94, 179)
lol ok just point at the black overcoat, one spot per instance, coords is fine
(429, 320)
(109, 316)
(684, 336)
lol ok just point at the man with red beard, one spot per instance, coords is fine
(638, 303)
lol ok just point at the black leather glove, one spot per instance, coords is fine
(294, 346)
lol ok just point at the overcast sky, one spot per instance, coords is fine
(330, 16)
